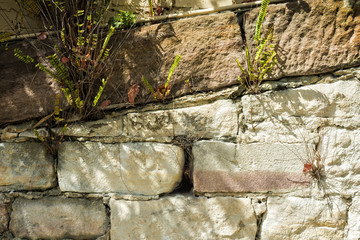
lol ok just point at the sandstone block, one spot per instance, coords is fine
(129, 168)
(58, 218)
(258, 167)
(280, 113)
(101, 128)
(183, 217)
(304, 218)
(208, 45)
(218, 119)
(304, 49)
(25, 166)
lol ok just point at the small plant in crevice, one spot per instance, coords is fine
(82, 50)
(163, 91)
(263, 60)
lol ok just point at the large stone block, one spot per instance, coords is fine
(258, 167)
(218, 119)
(303, 49)
(304, 218)
(58, 218)
(208, 45)
(183, 217)
(25, 166)
(131, 168)
(299, 112)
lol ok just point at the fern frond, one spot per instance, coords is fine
(263, 8)
(101, 89)
(105, 43)
(148, 85)
(5, 36)
(24, 58)
(172, 69)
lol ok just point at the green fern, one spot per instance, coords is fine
(148, 85)
(172, 69)
(265, 56)
(101, 89)
(161, 92)
(261, 17)
(24, 58)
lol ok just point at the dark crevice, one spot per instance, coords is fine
(241, 22)
(186, 184)
(259, 222)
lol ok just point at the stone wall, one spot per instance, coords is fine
(214, 164)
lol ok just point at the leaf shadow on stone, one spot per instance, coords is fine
(140, 55)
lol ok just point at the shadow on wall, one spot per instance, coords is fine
(25, 92)
(140, 55)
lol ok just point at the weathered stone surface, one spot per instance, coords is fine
(101, 128)
(25, 166)
(209, 46)
(340, 155)
(135, 168)
(4, 217)
(295, 114)
(58, 218)
(258, 167)
(182, 217)
(218, 119)
(352, 230)
(304, 49)
(304, 218)
(25, 92)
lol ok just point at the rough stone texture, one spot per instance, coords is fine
(136, 168)
(25, 92)
(58, 218)
(304, 218)
(218, 119)
(258, 167)
(340, 156)
(101, 128)
(25, 166)
(181, 217)
(11, 10)
(4, 217)
(209, 46)
(295, 114)
(303, 49)
(353, 223)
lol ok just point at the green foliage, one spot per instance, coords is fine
(161, 92)
(264, 59)
(5, 36)
(124, 19)
(98, 95)
(24, 58)
(151, 8)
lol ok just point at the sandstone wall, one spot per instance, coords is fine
(214, 164)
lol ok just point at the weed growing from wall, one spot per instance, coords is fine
(264, 58)
(82, 51)
(163, 91)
